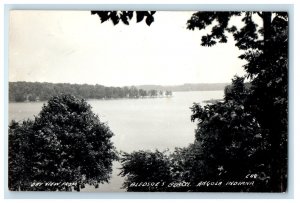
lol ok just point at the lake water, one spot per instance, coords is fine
(138, 124)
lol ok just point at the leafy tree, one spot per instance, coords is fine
(168, 93)
(133, 92)
(66, 144)
(19, 149)
(20, 97)
(187, 165)
(237, 91)
(145, 167)
(142, 93)
(32, 97)
(265, 50)
(231, 140)
(152, 93)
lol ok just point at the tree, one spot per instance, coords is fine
(187, 165)
(66, 144)
(142, 93)
(266, 51)
(32, 97)
(160, 93)
(133, 92)
(168, 93)
(19, 154)
(152, 93)
(231, 141)
(144, 169)
(20, 98)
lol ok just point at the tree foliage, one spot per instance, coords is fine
(19, 148)
(125, 16)
(265, 50)
(231, 140)
(141, 168)
(66, 143)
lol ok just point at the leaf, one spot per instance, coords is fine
(149, 20)
(223, 39)
(258, 136)
(113, 16)
(103, 15)
(139, 16)
(232, 29)
(233, 115)
(130, 14)
(124, 19)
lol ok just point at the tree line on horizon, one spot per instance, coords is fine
(36, 91)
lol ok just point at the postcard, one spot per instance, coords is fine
(148, 101)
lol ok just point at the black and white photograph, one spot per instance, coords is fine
(148, 101)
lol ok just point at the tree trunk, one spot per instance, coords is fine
(272, 116)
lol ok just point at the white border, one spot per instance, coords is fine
(180, 5)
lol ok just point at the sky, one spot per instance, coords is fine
(74, 47)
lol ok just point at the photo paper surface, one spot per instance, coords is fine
(148, 101)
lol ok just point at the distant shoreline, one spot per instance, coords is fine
(109, 99)
(36, 91)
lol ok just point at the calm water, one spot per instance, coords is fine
(138, 124)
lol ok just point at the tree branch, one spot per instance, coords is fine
(259, 14)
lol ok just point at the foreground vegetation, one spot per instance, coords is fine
(63, 148)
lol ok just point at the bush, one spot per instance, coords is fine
(143, 169)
